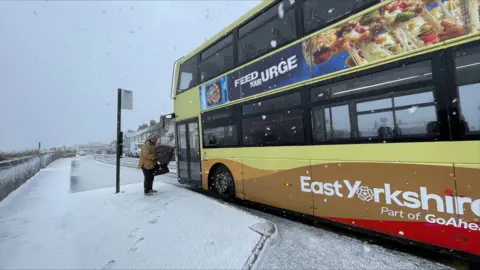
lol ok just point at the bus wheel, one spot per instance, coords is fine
(223, 182)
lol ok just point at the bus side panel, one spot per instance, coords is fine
(403, 200)
(187, 105)
(274, 182)
(468, 186)
(206, 166)
(235, 167)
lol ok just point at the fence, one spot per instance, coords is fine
(14, 175)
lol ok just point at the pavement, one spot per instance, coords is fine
(54, 222)
(46, 225)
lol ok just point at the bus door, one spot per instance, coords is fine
(188, 146)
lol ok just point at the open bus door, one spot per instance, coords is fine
(188, 149)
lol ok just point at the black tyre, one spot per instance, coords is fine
(222, 182)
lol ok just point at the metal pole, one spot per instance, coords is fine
(119, 119)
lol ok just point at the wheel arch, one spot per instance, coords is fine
(211, 172)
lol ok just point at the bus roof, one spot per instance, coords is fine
(251, 13)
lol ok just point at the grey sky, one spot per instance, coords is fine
(62, 62)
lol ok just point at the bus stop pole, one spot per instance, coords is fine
(119, 140)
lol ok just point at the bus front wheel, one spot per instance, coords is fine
(223, 183)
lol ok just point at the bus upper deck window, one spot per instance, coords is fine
(188, 74)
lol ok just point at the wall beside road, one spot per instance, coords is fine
(14, 173)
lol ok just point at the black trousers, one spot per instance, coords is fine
(148, 179)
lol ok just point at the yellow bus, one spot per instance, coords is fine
(362, 113)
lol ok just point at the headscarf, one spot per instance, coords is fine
(152, 137)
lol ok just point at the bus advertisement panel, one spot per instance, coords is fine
(395, 29)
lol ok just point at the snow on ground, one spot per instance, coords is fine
(44, 226)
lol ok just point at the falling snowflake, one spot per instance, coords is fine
(330, 10)
(281, 12)
(412, 109)
(401, 233)
(273, 43)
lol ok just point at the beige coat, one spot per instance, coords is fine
(147, 156)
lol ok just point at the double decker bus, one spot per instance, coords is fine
(362, 113)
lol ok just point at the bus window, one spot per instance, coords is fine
(255, 37)
(375, 118)
(188, 74)
(217, 59)
(220, 136)
(468, 67)
(280, 128)
(406, 115)
(413, 73)
(415, 114)
(331, 123)
(219, 128)
(272, 104)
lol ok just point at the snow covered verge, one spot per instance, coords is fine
(16, 173)
(44, 226)
(12, 177)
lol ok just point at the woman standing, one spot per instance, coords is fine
(148, 162)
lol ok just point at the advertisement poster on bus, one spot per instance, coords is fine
(280, 69)
(394, 29)
(397, 28)
(214, 93)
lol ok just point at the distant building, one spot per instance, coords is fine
(93, 148)
(126, 141)
(164, 129)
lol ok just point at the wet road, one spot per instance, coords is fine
(96, 174)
